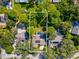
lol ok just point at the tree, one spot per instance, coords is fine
(51, 53)
(53, 16)
(21, 15)
(23, 49)
(51, 32)
(32, 30)
(65, 27)
(67, 48)
(10, 24)
(56, 22)
(66, 9)
(11, 15)
(3, 10)
(68, 36)
(75, 39)
(6, 40)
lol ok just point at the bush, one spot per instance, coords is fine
(9, 49)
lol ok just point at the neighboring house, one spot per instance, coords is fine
(3, 2)
(75, 28)
(20, 36)
(3, 19)
(7, 3)
(37, 41)
(21, 1)
(56, 41)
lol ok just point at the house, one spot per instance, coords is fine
(37, 41)
(42, 35)
(56, 1)
(3, 2)
(75, 28)
(20, 36)
(7, 3)
(21, 1)
(56, 41)
(3, 19)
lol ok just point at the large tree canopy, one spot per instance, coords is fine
(6, 40)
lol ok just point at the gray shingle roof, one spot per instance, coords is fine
(75, 30)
